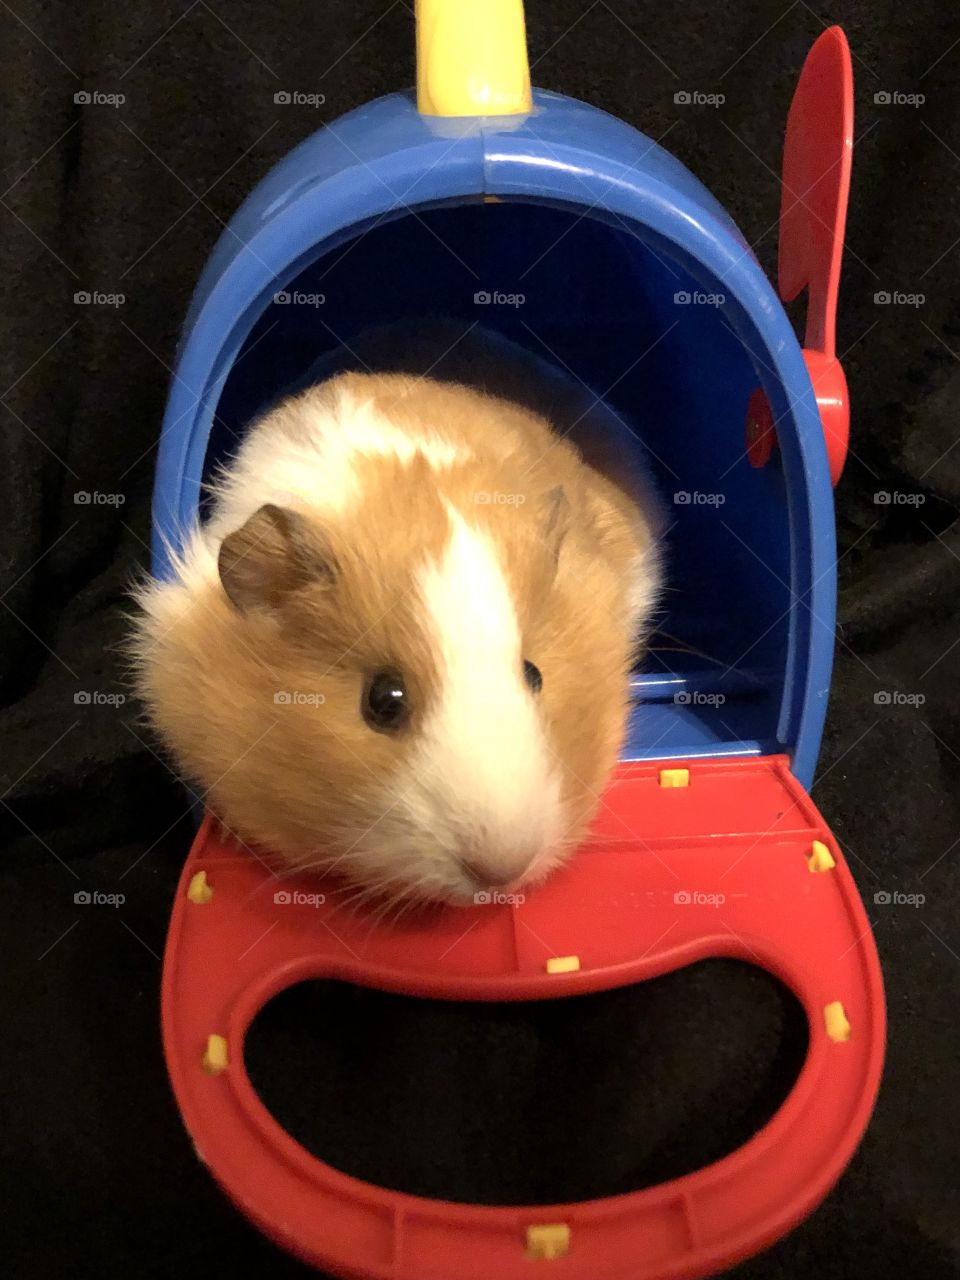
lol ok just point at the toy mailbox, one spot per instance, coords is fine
(574, 235)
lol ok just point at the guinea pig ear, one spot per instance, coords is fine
(273, 554)
(556, 519)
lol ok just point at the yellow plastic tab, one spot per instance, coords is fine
(835, 1020)
(548, 1242)
(563, 964)
(198, 890)
(472, 58)
(215, 1056)
(674, 777)
(820, 859)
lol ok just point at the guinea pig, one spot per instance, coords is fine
(399, 646)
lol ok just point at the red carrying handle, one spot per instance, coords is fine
(735, 861)
(817, 156)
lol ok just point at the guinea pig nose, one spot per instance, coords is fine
(492, 877)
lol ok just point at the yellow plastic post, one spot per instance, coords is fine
(216, 1056)
(820, 858)
(472, 58)
(674, 777)
(548, 1242)
(835, 1020)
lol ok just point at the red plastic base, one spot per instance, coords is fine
(721, 869)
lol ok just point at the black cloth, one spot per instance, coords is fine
(97, 1177)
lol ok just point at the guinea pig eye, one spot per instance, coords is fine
(532, 676)
(385, 706)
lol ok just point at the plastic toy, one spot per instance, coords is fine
(633, 276)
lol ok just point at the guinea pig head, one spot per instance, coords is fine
(426, 693)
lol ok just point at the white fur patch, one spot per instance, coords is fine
(644, 587)
(316, 466)
(485, 772)
(361, 429)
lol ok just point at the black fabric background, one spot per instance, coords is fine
(96, 1176)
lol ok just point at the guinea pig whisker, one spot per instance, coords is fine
(382, 914)
(407, 906)
(373, 890)
(681, 646)
(357, 894)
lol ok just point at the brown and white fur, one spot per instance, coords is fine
(429, 528)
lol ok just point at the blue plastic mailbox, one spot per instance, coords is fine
(388, 214)
(570, 233)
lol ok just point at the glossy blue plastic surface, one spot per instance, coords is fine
(386, 215)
